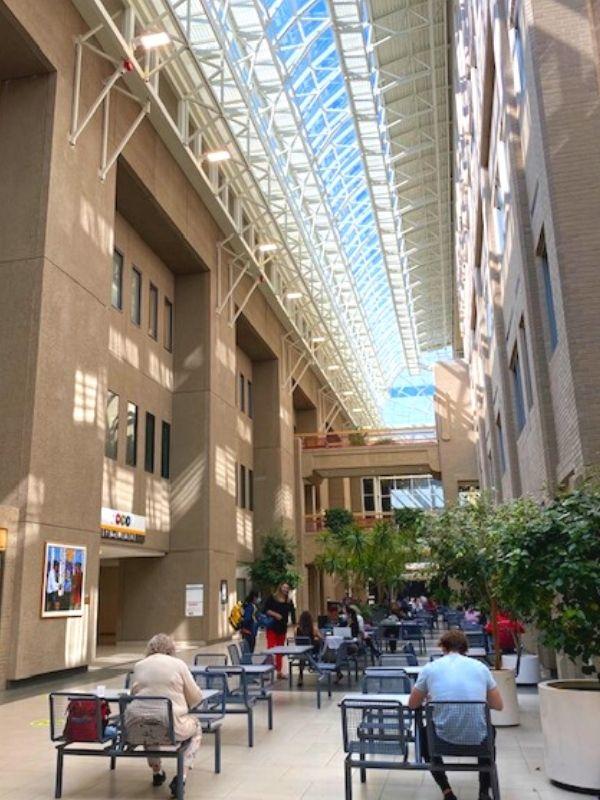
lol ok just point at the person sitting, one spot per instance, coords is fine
(455, 677)
(308, 629)
(392, 632)
(161, 674)
(472, 615)
(509, 631)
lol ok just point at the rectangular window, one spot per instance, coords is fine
(241, 392)
(153, 312)
(368, 494)
(525, 359)
(517, 53)
(501, 451)
(242, 486)
(165, 457)
(386, 497)
(116, 292)
(136, 296)
(112, 425)
(548, 293)
(517, 382)
(499, 214)
(149, 450)
(132, 424)
(250, 492)
(169, 325)
(249, 399)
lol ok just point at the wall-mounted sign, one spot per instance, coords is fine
(194, 600)
(64, 580)
(224, 593)
(122, 526)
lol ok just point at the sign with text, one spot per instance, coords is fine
(122, 526)
(194, 600)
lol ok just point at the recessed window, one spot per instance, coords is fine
(368, 494)
(250, 490)
(517, 53)
(169, 325)
(116, 292)
(153, 312)
(149, 448)
(501, 451)
(112, 425)
(132, 427)
(523, 350)
(548, 293)
(250, 399)
(241, 392)
(242, 486)
(136, 296)
(165, 460)
(517, 381)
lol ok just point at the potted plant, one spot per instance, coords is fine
(464, 544)
(275, 565)
(551, 569)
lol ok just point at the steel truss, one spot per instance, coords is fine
(244, 193)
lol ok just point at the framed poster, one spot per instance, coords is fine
(224, 593)
(63, 586)
(194, 600)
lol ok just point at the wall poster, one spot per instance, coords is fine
(64, 580)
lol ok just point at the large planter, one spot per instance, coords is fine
(529, 668)
(509, 716)
(570, 715)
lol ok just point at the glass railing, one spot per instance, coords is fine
(369, 438)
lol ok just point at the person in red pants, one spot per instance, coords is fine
(280, 608)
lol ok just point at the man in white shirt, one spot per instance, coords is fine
(53, 587)
(455, 677)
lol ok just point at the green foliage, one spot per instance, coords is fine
(275, 565)
(357, 439)
(550, 571)
(338, 518)
(408, 518)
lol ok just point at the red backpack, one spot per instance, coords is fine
(82, 720)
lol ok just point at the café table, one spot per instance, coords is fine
(296, 651)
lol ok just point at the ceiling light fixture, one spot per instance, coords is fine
(214, 156)
(333, 367)
(294, 295)
(318, 339)
(267, 247)
(152, 39)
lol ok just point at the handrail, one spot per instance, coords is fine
(368, 438)
(314, 523)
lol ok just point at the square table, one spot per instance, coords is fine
(414, 672)
(299, 651)
(378, 698)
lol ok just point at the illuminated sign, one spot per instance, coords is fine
(122, 526)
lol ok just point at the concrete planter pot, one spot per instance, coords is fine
(529, 668)
(509, 716)
(570, 716)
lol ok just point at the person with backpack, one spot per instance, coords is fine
(249, 624)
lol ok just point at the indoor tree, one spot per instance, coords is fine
(275, 564)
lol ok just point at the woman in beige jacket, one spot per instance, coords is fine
(161, 674)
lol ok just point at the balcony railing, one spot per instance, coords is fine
(316, 522)
(369, 438)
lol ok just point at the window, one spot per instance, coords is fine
(517, 381)
(116, 292)
(153, 316)
(499, 214)
(132, 422)
(517, 54)
(386, 494)
(112, 425)
(165, 456)
(241, 393)
(169, 325)
(250, 492)
(548, 293)
(368, 495)
(149, 454)
(136, 296)
(501, 452)
(249, 399)
(242, 487)
(525, 359)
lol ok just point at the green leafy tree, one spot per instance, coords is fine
(275, 565)
(343, 553)
(550, 571)
(338, 518)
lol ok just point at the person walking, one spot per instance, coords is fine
(249, 627)
(280, 608)
(455, 678)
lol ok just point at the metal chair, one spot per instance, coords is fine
(297, 661)
(99, 740)
(413, 632)
(210, 659)
(241, 696)
(477, 639)
(373, 730)
(235, 656)
(326, 669)
(453, 619)
(470, 626)
(393, 682)
(462, 730)
(398, 660)
(211, 718)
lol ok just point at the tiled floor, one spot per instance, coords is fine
(301, 758)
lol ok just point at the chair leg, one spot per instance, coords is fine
(250, 727)
(180, 776)
(348, 780)
(495, 782)
(59, 772)
(319, 693)
(363, 772)
(329, 684)
(290, 669)
(270, 712)
(217, 750)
